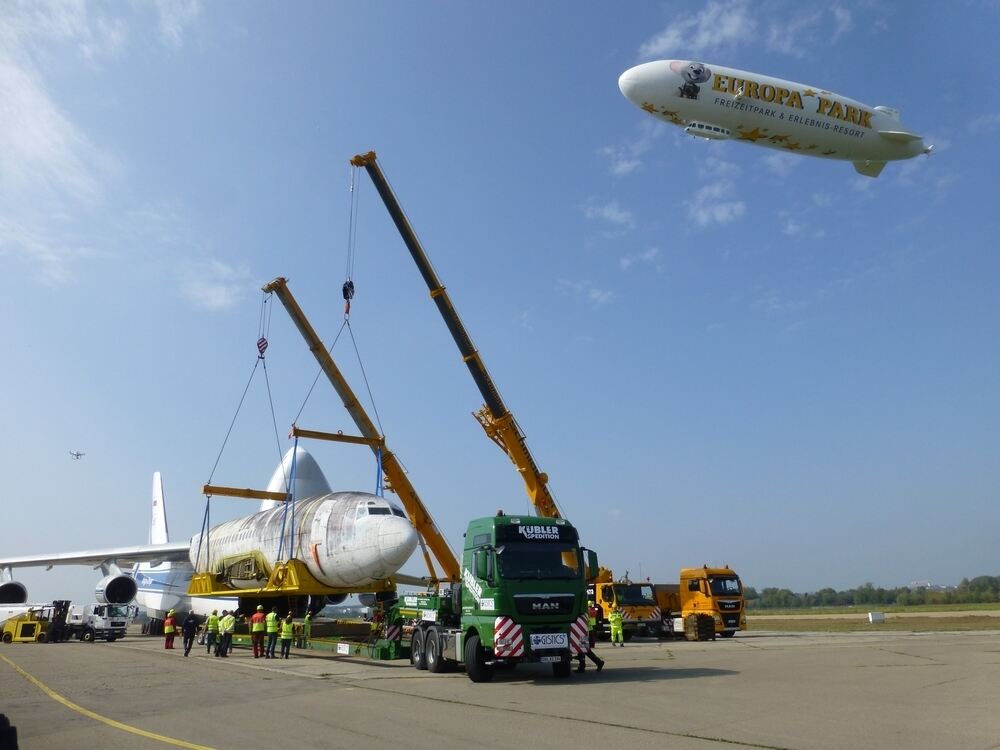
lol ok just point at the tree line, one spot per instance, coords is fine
(978, 590)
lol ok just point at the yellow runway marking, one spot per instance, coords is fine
(97, 717)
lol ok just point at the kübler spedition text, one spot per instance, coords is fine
(767, 93)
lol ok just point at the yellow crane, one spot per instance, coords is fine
(396, 479)
(495, 418)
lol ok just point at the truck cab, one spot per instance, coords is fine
(640, 612)
(707, 602)
(522, 599)
(107, 622)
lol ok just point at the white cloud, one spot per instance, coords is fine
(822, 199)
(984, 124)
(175, 18)
(213, 285)
(612, 213)
(787, 36)
(585, 290)
(625, 158)
(719, 25)
(711, 204)
(649, 257)
(842, 22)
(781, 164)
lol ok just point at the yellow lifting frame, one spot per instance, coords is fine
(290, 578)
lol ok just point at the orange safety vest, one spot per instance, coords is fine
(168, 625)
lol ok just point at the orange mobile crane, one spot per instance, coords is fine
(495, 417)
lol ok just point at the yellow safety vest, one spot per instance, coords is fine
(228, 624)
(615, 619)
(307, 626)
(272, 622)
(168, 626)
(287, 630)
(212, 624)
(257, 625)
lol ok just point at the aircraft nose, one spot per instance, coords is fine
(646, 82)
(396, 541)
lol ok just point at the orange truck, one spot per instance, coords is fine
(640, 613)
(708, 602)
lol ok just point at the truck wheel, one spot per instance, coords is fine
(7, 638)
(475, 660)
(727, 633)
(87, 635)
(418, 657)
(561, 669)
(432, 648)
(627, 635)
(111, 639)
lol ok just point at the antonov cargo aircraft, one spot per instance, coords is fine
(717, 103)
(346, 539)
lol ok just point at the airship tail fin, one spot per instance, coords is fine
(869, 168)
(899, 136)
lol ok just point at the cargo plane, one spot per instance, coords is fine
(346, 540)
(718, 103)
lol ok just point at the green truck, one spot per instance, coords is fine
(523, 598)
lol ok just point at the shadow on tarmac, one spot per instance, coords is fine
(541, 676)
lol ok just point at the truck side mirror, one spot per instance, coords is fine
(591, 571)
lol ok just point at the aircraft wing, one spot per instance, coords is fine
(122, 556)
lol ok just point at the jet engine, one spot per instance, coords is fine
(13, 592)
(336, 598)
(115, 589)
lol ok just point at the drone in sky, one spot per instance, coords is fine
(77, 455)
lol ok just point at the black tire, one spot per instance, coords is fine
(7, 638)
(41, 637)
(475, 660)
(87, 635)
(627, 635)
(432, 648)
(727, 633)
(561, 669)
(418, 656)
(110, 639)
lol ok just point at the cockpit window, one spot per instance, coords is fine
(374, 510)
(398, 512)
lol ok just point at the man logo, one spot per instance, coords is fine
(544, 607)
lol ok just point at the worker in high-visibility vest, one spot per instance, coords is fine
(591, 640)
(212, 630)
(271, 626)
(305, 631)
(615, 621)
(227, 626)
(287, 634)
(169, 630)
(257, 629)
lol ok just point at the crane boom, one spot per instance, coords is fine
(495, 418)
(398, 482)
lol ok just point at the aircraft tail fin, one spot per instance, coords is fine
(158, 533)
(869, 168)
(309, 478)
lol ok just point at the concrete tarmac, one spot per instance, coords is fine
(758, 690)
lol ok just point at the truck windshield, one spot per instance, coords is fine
(117, 611)
(724, 585)
(634, 595)
(539, 560)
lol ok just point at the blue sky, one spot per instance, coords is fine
(719, 353)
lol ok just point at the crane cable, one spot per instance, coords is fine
(263, 329)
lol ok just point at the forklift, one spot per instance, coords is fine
(38, 625)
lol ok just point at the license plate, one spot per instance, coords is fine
(549, 640)
(550, 659)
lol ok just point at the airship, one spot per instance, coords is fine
(717, 103)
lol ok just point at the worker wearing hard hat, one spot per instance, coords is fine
(212, 629)
(615, 621)
(169, 630)
(305, 633)
(227, 626)
(287, 634)
(257, 628)
(271, 626)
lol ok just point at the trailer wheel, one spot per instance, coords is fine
(7, 638)
(561, 669)
(475, 660)
(418, 656)
(432, 649)
(87, 635)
